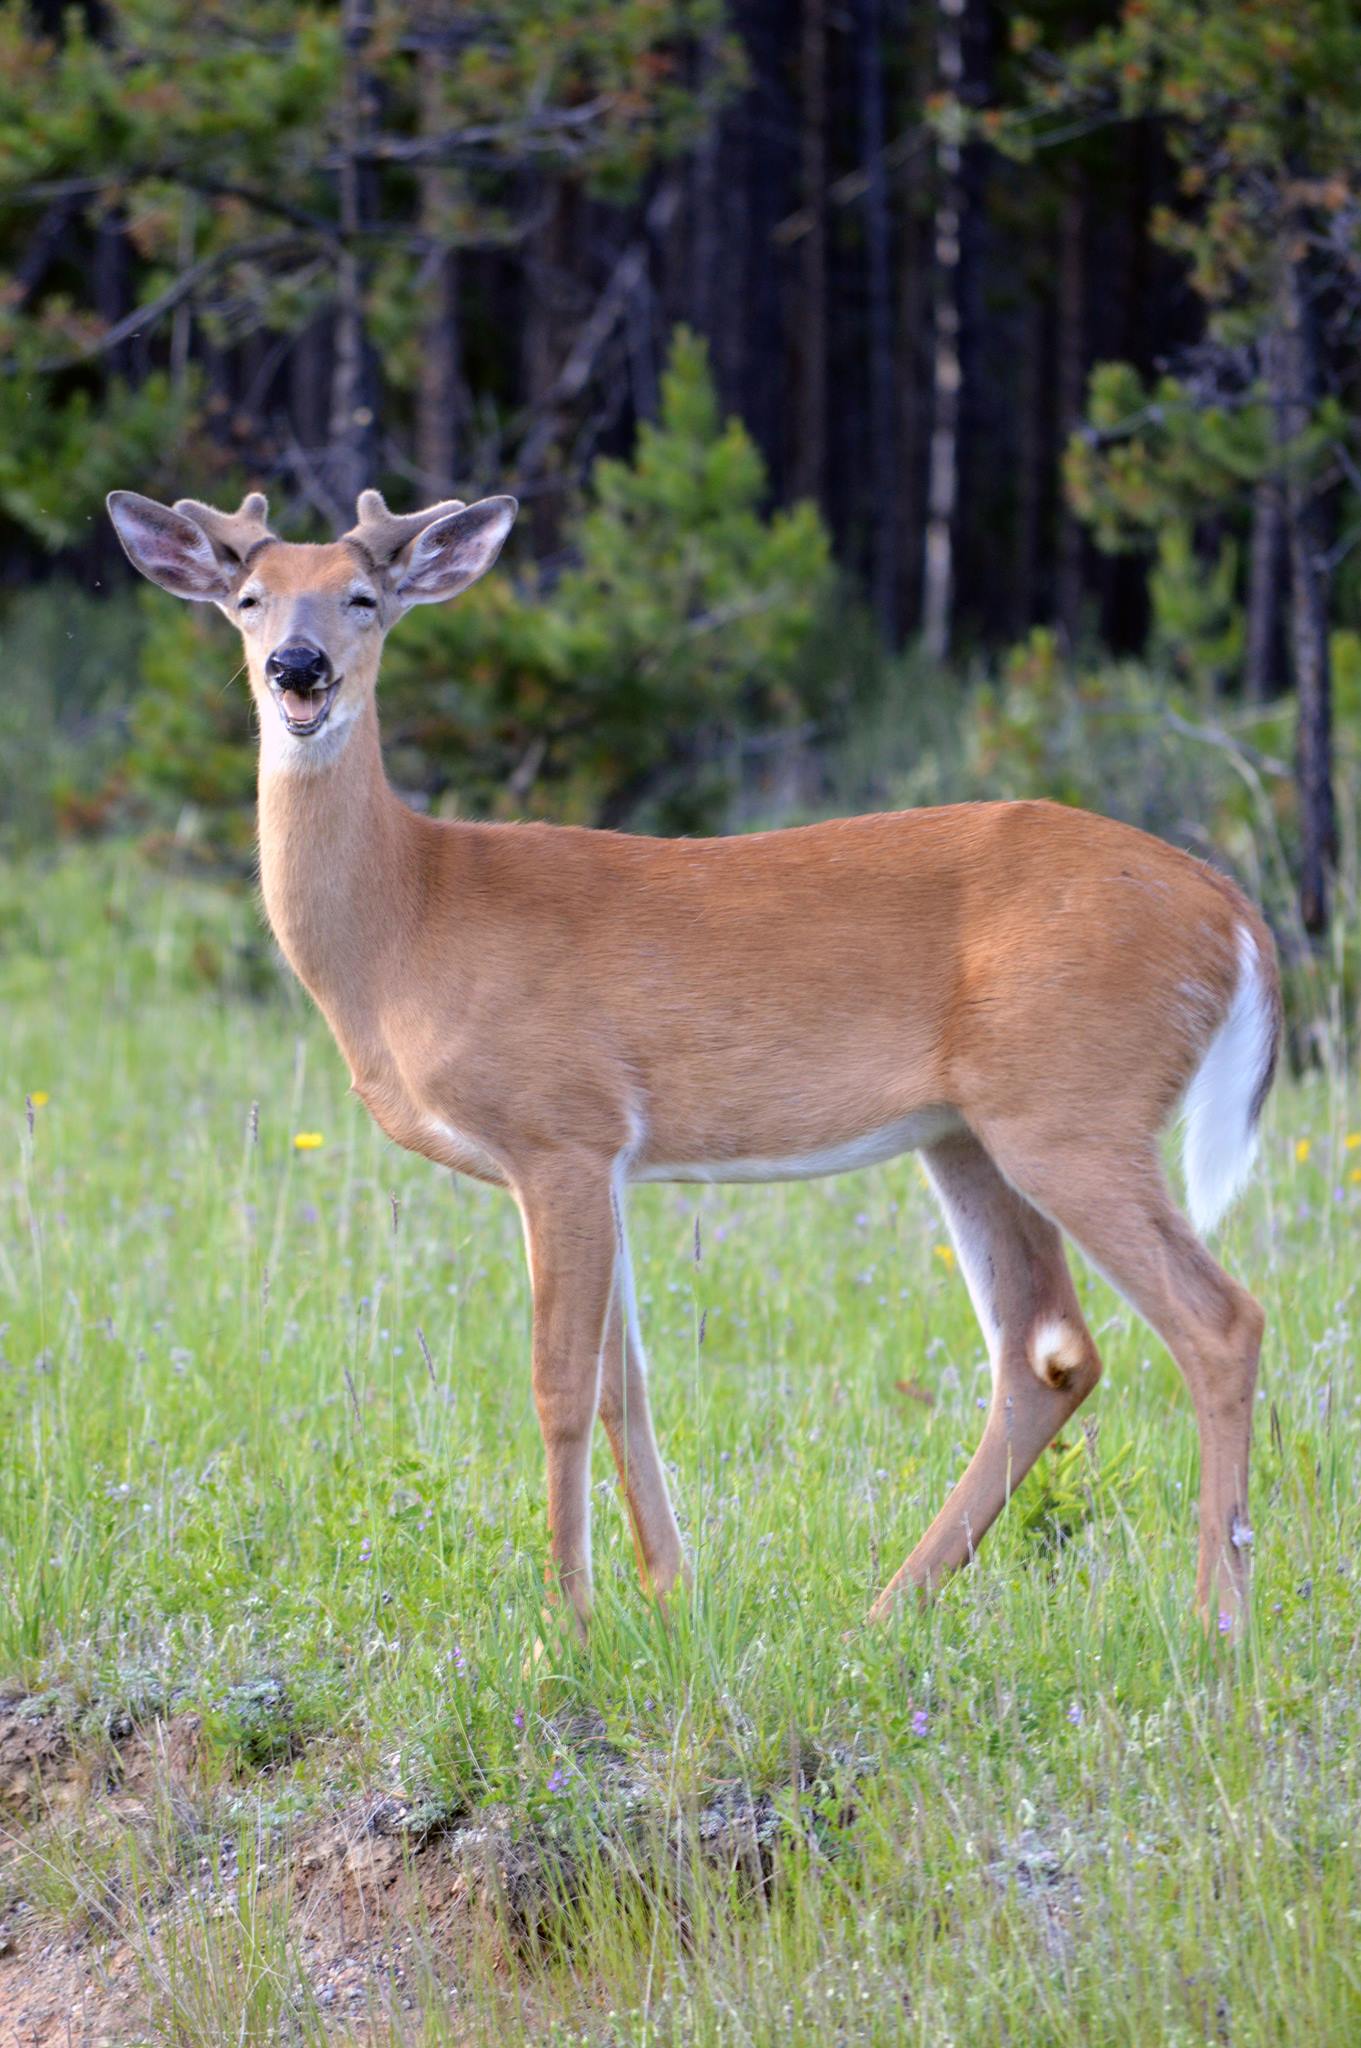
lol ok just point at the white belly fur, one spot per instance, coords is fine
(906, 1134)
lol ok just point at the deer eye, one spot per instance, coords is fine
(362, 602)
(247, 603)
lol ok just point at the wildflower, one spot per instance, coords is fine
(517, 1719)
(1352, 1141)
(1225, 1621)
(1355, 1176)
(1075, 1713)
(365, 1550)
(308, 1141)
(1303, 1147)
(921, 1722)
(558, 1782)
(946, 1254)
(39, 1098)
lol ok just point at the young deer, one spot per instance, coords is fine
(1023, 993)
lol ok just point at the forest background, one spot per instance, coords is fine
(907, 402)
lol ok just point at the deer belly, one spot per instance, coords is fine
(868, 1148)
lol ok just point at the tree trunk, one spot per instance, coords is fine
(546, 251)
(439, 397)
(706, 239)
(1071, 379)
(914, 284)
(883, 477)
(1260, 677)
(1293, 377)
(351, 458)
(808, 467)
(111, 280)
(1031, 447)
(943, 478)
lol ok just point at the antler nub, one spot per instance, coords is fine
(233, 533)
(382, 534)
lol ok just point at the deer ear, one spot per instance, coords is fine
(169, 548)
(453, 552)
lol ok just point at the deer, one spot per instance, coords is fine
(1024, 994)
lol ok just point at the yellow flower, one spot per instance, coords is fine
(308, 1141)
(946, 1254)
(1302, 1150)
(1355, 1176)
(1352, 1140)
(39, 1098)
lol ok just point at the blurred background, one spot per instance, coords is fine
(909, 400)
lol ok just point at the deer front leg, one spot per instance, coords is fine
(572, 1240)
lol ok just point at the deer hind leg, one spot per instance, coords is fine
(627, 1418)
(571, 1236)
(1044, 1363)
(1114, 1203)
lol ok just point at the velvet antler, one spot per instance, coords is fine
(234, 534)
(383, 534)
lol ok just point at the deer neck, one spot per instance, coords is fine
(339, 870)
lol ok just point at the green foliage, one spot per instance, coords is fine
(190, 729)
(1258, 109)
(630, 682)
(57, 463)
(69, 679)
(210, 138)
(1197, 620)
(1150, 454)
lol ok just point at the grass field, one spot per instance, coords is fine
(292, 1748)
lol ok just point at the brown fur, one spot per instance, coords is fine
(560, 1010)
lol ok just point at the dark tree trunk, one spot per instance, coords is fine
(351, 458)
(1030, 466)
(706, 240)
(1293, 376)
(883, 479)
(546, 253)
(439, 396)
(938, 571)
(808, 464)
(914, 321)
(111, 284)
(1261, 680)
(1071, 369)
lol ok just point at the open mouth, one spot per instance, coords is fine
(305, 711)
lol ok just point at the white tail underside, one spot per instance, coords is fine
(1221, 1126)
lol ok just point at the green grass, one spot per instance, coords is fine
(234, 1484)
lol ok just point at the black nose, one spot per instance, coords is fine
(298, 666)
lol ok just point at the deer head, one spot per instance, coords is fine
(313, 619)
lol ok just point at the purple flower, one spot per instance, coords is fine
(1075, 1713)
(921, 1722)
(1225, 1621)
(365, 1551)
(558, 1782)
(517, 1719)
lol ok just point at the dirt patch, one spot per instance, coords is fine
(70, 1975)
(58, 1993)
(377, 1898)
(36, 1758)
